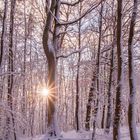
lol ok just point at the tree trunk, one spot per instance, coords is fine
(89, 104)
(3, 30)
(116, 125)
(50, 52)
(24, 65)
(10, 120)
(94, 78)
(96, 106)
(77, 76)
(109, 112)
(131, 109)
(104, 104)
(103, 116)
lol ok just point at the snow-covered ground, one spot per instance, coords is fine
(84, 135)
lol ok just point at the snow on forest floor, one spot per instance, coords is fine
(84, 135)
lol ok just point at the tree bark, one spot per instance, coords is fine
(11, 120)
(94, 78)
(104, 104)
(77, 76)
(24, 65)
(96, 106)
(109, 113)
(132, 88)
(3, 30)
(49, 49)
(116, 125)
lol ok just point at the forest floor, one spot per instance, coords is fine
(85, 135)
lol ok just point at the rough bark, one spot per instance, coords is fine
(116, 125)
(94, 78)
(90, 101)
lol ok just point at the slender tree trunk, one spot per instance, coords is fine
(92, 87)
(104, 105)
(90, 101)
(1, 48)
(96, 106)
(24, 65)
(3, 30)
(10, 120)
(117, 115)
(131, 109)
(77, 95)
(77, 76)
(109, 112)
(103, 117)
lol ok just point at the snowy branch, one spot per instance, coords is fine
(75, 20)
(71, 4)
(76, 51)
(83, 15)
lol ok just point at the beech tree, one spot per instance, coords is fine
(51, 46)
(92, 93)
(49, 49)
(117, 115)
(10, 119)
(69, 65)
(132, 90)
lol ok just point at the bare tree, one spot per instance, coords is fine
(10, 119)
(50, 52)
(93, 83)
(78, 72)
(132, 88)
(109, 96)
(117, 115)
(51, 45)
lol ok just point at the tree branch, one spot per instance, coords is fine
(65, 56)
(71, 4)
(84, 14)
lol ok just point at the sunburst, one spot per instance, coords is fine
(45, 92)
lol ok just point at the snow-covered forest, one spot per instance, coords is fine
(69, 69)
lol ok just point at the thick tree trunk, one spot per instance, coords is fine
(131, 109)
(50, 52)
(117, 117)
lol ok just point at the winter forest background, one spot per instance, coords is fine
(69, 65)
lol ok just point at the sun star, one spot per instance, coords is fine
(45, 92)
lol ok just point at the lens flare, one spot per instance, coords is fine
(45, 92)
